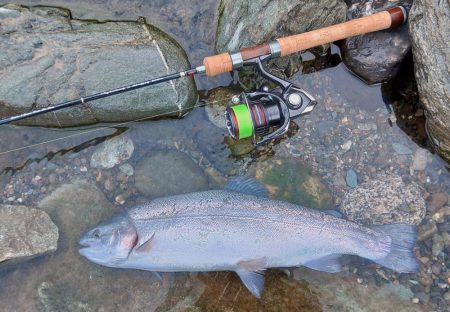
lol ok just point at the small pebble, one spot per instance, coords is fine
(420, 159)
(347, 145)
(415, 300)
(427, 230)
(401, 149)
(436, 268)
(120, 199)
(351, 178)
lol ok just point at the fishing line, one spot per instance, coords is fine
(108, 127)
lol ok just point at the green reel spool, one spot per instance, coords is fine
(239, 119)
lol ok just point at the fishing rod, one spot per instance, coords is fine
(265, 114)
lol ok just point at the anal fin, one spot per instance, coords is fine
(254, 281)
(330, 263)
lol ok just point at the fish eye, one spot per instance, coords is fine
(96, 234)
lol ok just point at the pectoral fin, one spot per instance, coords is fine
(330, 264)
(147, 245)
(254, 281)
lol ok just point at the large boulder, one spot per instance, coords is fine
(25, 232)
(377, 56)
(247, 23)
(49, 57)
(429, 26)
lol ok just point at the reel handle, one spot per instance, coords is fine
(226, 62)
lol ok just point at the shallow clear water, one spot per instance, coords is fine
(34, 162)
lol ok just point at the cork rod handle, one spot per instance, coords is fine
(393, 17)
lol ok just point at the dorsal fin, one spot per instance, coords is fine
(246, 185)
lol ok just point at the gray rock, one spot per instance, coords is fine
(384, 200)
(165, 173)
(247, 23)
(112, 152)
(377, 56)
(48, 57)
(25, 232)
(429, 26)
(351, 178)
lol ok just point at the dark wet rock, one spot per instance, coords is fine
(25, 232)
(246, 23)
(429, 26)
(377, 56)
(383, 200)
(351, 178)
(50, 57)
(401, 149)
(165, 173)
(218, 100)
(112, 152)
(338, 292)
(292, 181)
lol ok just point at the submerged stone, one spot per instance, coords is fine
(385, 199)
(292, 181)
(340, 292)
(164, 173)
(112, 152)
(351, 178)
(49, 57)
(25, 232)
(240, 147)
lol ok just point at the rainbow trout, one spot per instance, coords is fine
(240, 229)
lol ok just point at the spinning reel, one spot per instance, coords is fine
(266, 114)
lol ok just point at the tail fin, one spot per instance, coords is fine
(400, 258)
